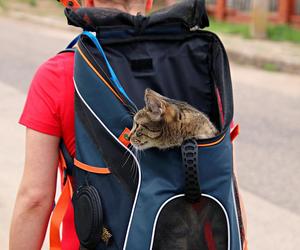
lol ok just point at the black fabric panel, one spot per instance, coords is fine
(98, 62)
(189, 12)
(181, 70)
(187, 68)
(112, 153)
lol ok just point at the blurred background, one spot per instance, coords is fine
(262, 39)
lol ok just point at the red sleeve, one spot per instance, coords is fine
(42, 108)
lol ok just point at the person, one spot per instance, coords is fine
(49, 116)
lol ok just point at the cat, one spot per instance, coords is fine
(165, 123)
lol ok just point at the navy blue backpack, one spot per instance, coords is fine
(117, 57)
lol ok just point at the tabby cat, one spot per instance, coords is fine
(165, 123)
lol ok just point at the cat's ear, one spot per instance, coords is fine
(172, 113)
(154, 104)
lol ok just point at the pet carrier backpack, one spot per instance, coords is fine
(118, 198)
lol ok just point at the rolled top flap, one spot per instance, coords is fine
(190, 13)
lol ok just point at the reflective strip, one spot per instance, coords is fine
(92, 169)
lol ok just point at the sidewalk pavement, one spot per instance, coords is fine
(266, 54)
(269, 226)
(271, 55)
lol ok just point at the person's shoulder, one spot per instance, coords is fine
(60, 63)
(55, 71)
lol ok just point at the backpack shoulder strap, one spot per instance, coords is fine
(60, 209)
(71, 46)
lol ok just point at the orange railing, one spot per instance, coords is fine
(280, 11)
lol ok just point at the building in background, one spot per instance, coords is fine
(279, 11)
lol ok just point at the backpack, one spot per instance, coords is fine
(119, 198)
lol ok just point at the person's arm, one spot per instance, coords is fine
(36, 193)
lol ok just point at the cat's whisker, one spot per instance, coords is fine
(125, 154)
(126, 161)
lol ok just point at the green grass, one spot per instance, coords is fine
(270, 67)
(33, 2)
(283, 33)
(2, 4)
(274, 32)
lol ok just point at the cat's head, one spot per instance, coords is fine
(150, 123)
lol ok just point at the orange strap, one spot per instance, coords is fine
(70, 3)
(149, 5)
(92, 169)
(235, 132)
(60, 210)
(90, 3)
(58, 215)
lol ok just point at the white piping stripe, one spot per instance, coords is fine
(181, 195)
(236, 215)
(134, 157)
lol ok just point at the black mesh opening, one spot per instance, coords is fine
(198, 226)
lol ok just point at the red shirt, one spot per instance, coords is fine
(49, 109)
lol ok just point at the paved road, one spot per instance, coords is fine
(266, 106)
(268, 151)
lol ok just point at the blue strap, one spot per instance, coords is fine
(73, 42)
(114, 78)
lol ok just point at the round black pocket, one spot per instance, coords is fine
(88, 216)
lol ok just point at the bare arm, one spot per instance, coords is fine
(36, 192)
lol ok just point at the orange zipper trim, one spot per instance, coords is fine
(212, 143)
